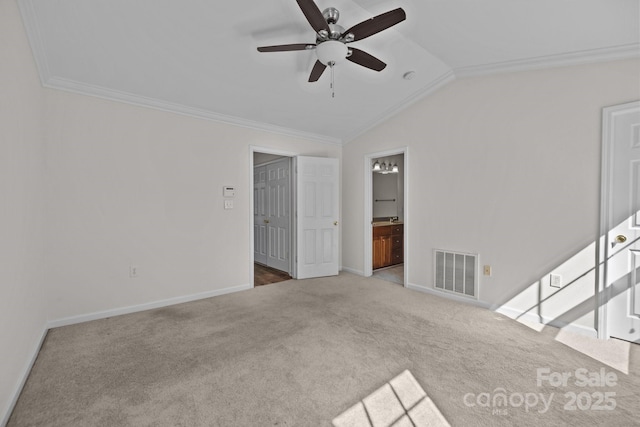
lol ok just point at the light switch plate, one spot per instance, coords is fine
(487, 270)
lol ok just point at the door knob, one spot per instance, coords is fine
(335, 222)
(620, 238)
(266, 221)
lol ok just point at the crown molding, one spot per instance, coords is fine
(138, 100)
(613, 53)
(37, 43)
(427, 90)
(34, 35)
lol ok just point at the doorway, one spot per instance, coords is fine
(386, 215)
(310, 247)
(272, 218)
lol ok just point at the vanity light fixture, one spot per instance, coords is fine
(384, 168)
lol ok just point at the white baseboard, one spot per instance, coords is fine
(101, 315)
(447, 295)
(25, 374)
(352, 270)
(511, 312)
(142, 307)
(516, 314)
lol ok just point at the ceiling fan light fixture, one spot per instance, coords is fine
(331, 52)
(394, 169)
(331, 39)
(376, 166)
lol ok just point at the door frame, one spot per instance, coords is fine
(368, 210)
(293, 232)
(602, 291)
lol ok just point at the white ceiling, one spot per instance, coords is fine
(199, 57)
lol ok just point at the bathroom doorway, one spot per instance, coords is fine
(386, 219)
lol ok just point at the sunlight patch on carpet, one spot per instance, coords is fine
(400, 402)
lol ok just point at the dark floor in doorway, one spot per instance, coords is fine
(263, 275)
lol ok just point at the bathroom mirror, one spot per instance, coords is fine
(385, 195)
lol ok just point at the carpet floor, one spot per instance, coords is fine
(300, 353)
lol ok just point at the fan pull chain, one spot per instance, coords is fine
(333, 87)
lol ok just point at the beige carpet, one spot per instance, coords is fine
(304, 352)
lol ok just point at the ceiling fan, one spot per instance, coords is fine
(332, 39)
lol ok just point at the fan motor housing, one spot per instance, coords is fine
(336, 31)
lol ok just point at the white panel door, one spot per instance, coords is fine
(622, 248)
(317, 210)
(279, 215)
(260, 215)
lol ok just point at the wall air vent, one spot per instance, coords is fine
(456, 272)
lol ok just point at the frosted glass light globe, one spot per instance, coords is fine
(331, 51)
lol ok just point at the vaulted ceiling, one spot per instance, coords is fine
(199, 57)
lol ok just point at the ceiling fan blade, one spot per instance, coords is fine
(363, 58)
(286, 47)
(316, 72)
(376, 24)
(313, 15)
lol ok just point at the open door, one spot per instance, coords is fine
(272, 214)
(317, 209)
(621, 220)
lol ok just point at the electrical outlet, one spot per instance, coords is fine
(487, 270)
(555, 280)
(228, 204)
(133, 271)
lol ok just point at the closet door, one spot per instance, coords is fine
(260, 214)
(279, 215)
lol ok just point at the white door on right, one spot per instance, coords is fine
(622, 220)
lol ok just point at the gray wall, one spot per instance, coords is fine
(506, 166)
(91, 187)
(23, 292)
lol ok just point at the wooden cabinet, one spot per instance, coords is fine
(388, 243)
(381, 251)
